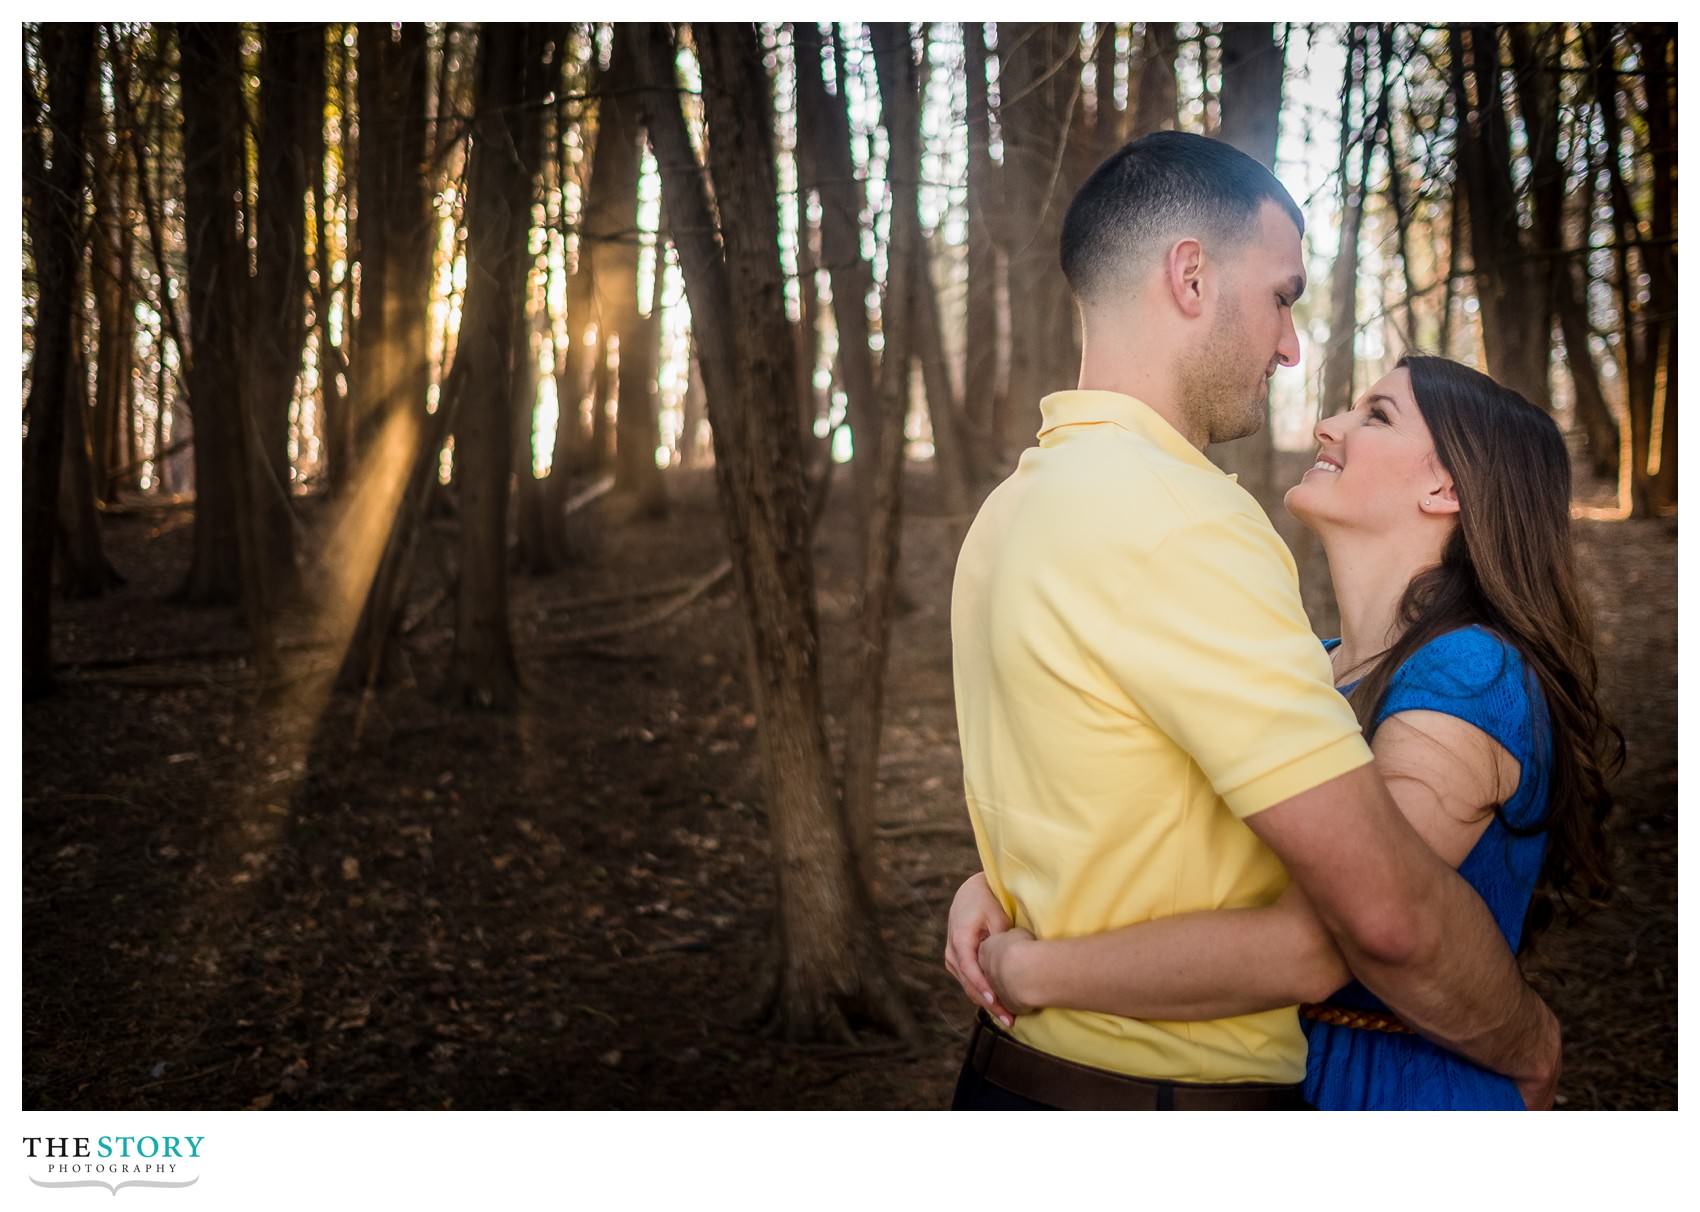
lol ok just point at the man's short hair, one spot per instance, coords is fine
(1158, 188)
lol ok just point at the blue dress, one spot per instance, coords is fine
(1479, 678)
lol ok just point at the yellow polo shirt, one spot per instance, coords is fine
(1134, 676)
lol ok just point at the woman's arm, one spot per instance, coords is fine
(1440, 771)
(1216, 964)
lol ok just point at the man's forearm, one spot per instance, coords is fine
(1459, 985)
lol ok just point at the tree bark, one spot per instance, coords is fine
(1517, 336)
(53, 206)
(389, 355)
(1657, 43)
(981, 395)
(482, 670)
(291, 152)
(610, 232)
(899, 104)
(227, 564)
(538, 549)
(1253, 64)
(1340, 357)
(217, 269)
(572, 364)
(823, 128)
(1158, 105)
(1039, 65)
(1537, 98)
(830, 962)
(85, 571)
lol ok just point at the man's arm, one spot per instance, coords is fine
(1411, 929)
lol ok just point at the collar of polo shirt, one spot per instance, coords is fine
(1097, 407)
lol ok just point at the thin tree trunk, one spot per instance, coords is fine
(227, 564)
(1657, 44)
(823, 127)
(831, 964)
(900, 107)
(1396, 191)
(1253, 63)
(291, 151)
(386, 416)
(1517, 337)
(53, 206)
(1158, 106)
(1033, 70)
(1538, 100)
(538, 551)
(212, 138)
(482, 669)
(981, 393)
(574, 450)
(1340, 357)
(85, 571)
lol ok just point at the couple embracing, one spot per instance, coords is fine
(1227, 866)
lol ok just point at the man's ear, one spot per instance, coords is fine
(1185, 276)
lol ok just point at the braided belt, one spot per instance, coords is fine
(1363, 1020)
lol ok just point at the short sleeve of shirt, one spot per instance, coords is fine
(1213, 645)
(1475, 676)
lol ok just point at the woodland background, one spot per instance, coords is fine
(490, 496)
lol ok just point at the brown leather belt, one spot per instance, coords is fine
(1004, 1061)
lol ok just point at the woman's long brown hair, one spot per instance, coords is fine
(1510, 566)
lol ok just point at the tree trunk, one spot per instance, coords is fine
(482, 670)
(1340, 357)
(831, 964)
(575, 444)
(385, 412)
(1253, 63)
(1537, 98)
(1109, 124)
(85, 570)
(112, 245)
(985, 209)
(1038, 64)
(1657, 43)
(1517, 336)
(539, 551)
(823, 128)
(291, 152)
(227, 564)
(53, 206)
(217, 271)
(900, 107)
(1158, 106)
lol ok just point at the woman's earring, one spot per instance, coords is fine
(1428, 502)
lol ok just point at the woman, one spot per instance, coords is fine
(1465, 652)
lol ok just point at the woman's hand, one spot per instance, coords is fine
(1001, 959)
(975, 916)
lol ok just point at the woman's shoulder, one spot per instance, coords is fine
(1474, 655)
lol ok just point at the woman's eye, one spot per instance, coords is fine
(1376, 414)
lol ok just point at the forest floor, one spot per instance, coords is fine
(316, 902)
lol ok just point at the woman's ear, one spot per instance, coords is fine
(1442, 498)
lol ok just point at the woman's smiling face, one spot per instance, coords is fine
(1376, 468)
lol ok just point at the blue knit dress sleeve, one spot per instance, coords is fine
(1478, 677)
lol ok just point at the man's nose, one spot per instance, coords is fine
(1288, 349)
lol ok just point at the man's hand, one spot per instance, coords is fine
(1001, 958)
(975, 915)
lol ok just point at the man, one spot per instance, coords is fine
(1148, 725)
